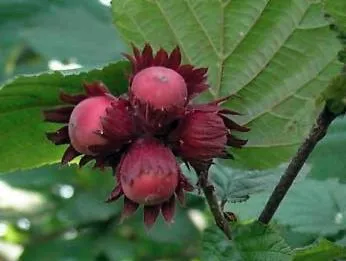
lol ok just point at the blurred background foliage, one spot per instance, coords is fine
(57, 213)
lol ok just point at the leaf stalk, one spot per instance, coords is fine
(212, 200)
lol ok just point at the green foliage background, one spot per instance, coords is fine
(277, 56)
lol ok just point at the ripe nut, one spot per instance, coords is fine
(85, 121)
(149, 173)
(160, 87)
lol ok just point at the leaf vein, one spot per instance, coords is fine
(194, 15)
(173, 31)
(289, 95)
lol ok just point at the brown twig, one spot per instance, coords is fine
(209, 192)
(317, 132)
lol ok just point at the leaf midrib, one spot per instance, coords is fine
(222, 58)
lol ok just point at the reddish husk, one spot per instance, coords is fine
(205, 133)
(86, 132)
(140, 136)
(84, 120)
(148, 174)
(158, 95)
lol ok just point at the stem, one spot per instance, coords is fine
(317, 132)
(212, 200)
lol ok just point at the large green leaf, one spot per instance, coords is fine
(316, 207)
(252, 242)
(277, 56)
(236, 185)
(328, 159)
(23, 143)
(322, 250)
(296, 239)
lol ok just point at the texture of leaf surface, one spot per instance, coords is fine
(252, 242)
(236, 185)
(323, 250)
(277, 56)
(22, 134)
(311, 206)
(315, 207)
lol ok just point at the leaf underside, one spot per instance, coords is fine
(277, 56)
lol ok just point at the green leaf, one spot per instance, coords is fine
(328, 159)
(295, 239)
(22, 136)
(250, 209)
(322, 250)
(315, 207)
(311, 206)
(252, 242)
(15, 17)
(277, 56)
(337, 9)
(69, 31)
(62, 29)
(236, 185)
(80, 30)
